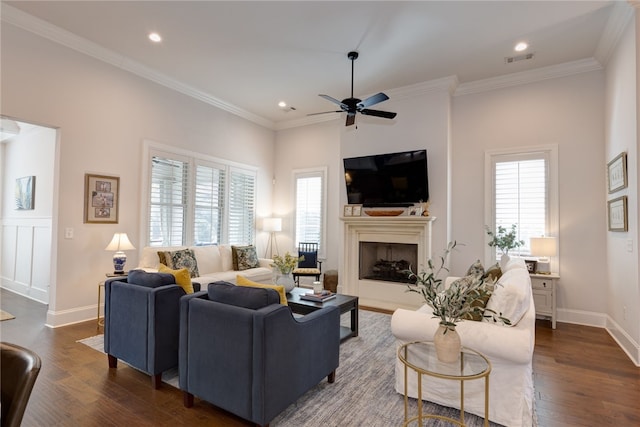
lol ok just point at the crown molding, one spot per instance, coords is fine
(304, 121)
(63, 37)
(447, 84)
(530, 76)
(618, 19)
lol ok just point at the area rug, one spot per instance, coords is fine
(363, 393)
(6, 316)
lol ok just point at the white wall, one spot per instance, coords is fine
(621, 135)
(104, 114)
(565, 111)
(301, 148)
(25, 250)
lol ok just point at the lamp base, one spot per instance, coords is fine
(543, 266)
(119, 260)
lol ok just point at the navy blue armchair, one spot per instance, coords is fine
(142, 322)
(245, 353)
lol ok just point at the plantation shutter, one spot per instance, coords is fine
(168, 201)
(208, 204)
(521, 195)
(309, 208)
(241, 206)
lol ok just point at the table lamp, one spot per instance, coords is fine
(543, 248)
(119, 243)
(271, 225)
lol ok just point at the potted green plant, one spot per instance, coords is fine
(504, 240)
(452, 304)
(284, 266)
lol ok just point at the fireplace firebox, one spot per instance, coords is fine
(387, 262)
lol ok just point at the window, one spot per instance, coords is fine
(310, 205)
(522, 186)
(194, 200)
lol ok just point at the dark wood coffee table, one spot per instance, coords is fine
(345, 302)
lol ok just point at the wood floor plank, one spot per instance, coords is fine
(581, 376)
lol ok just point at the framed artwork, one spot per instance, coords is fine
(356, 210)
(531, 265)
(617, 173)
(618, 214)
(101, 199)
(415, 211)
(25, 193)
(348, 210)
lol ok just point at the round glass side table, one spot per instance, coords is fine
(420, 356)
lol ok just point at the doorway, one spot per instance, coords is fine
(27, 160)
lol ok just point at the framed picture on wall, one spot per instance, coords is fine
(25, 193)
(101, 199)
(617, 173)
(618, 214)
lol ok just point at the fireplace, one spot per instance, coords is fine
(381, 247)
(387, 262)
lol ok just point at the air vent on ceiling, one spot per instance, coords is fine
(512, 59)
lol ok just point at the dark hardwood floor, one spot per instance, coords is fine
(582, 378)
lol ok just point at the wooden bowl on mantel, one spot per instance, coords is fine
(393, 212)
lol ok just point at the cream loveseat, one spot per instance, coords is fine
(508, 348)
(214, 263)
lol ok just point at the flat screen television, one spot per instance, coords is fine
(394, 179)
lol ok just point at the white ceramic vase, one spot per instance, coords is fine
(286, 280)
(447, 343)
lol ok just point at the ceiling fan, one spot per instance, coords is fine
(352, 105)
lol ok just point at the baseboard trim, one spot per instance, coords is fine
(57, 319)
(601, 320)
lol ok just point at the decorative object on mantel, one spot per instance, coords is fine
(394, 212)
(503, 240)
(119, 243)
(25, 192)
(283, 267)
(544, 248)
(452, 304)
(617, 173)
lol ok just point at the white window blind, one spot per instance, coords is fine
(521, 195)
(168, 201)
(310, 207)
(241, 211)
(198, 200)
(208, 204)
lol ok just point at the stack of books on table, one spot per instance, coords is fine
(321, 296)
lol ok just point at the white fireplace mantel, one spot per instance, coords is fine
(399, 229)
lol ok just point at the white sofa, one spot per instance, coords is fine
(508, 348)
(214, 263)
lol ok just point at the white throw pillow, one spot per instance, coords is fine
(209, 259)
(510, 297)
(227, 260)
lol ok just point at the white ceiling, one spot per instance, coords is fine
(248, 56)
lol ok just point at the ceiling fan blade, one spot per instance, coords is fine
(372, 100)
(378, 113)
(324, 112)
(335, 101)
(351, 119)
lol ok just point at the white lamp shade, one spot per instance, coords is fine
(272, 224)
(544, 246)
(120, 242)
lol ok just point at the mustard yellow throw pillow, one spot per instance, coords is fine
(243, 281)
(183, 278)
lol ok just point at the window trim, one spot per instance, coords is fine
(309, 172)
(551, 151)
(151, 148)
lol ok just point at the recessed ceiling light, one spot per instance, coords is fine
(282, 104)
(521, 46)
(155, 37)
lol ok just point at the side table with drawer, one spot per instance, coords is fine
(544, 288)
